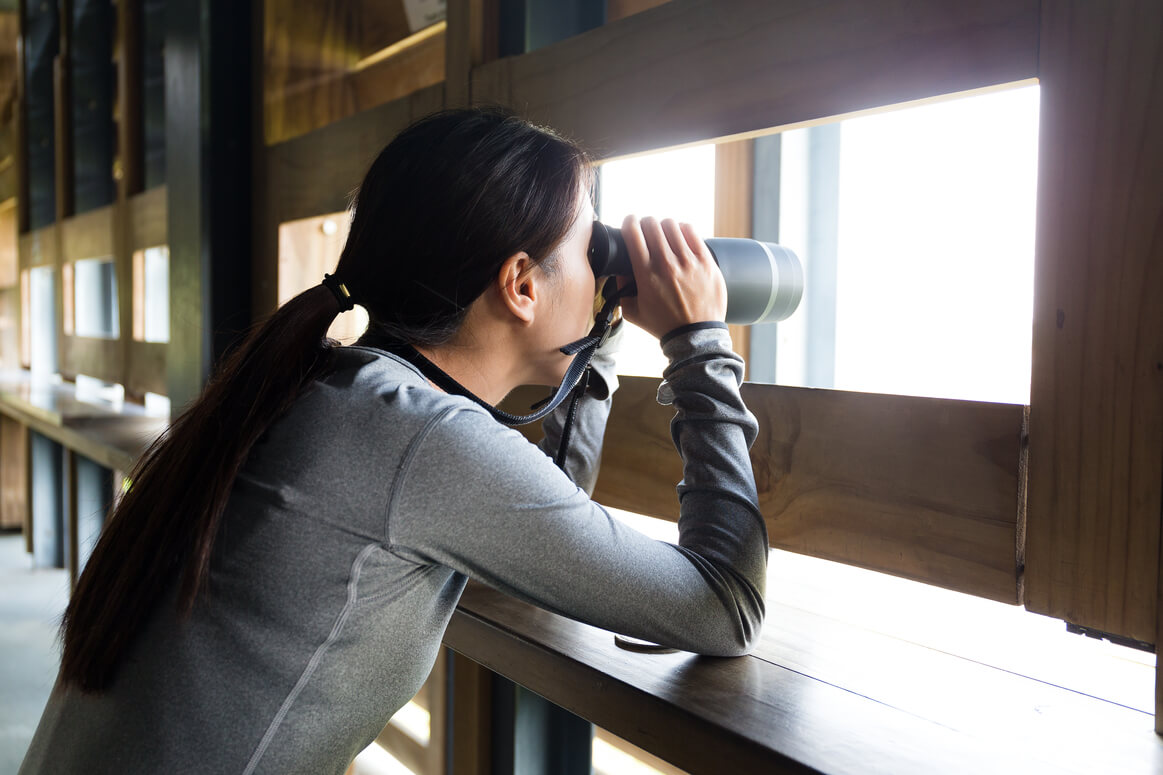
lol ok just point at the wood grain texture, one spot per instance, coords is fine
(319, 61)
(1096, 416)
(9, 261)
(816, 695)
(13, 473)
(40, 248)
(147, 218)
(923, 488)
(145, 368)
(472, 41)
(734, 180)
(620, 9)
(89, 235)
(693, 70)
(471, 717)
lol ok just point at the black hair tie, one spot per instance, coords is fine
(339, 290)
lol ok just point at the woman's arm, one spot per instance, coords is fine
(477, 497)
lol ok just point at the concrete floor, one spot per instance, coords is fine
(31, 603)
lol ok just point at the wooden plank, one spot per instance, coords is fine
(9, 258)
(145, 368)
(806, 699)
(317, 173)
(620, 9)
(471, 717)
(693, 70)
(89, 235)
(472, 30)
(147, 217)
(100, 358)
(734, 177)
(129, 171)
(923, 488)
(13, 473)
(326, 61)
(40, 248)
(1096, 425)
(62, 119)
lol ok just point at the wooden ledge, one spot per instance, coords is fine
(113, 436)
(817, 695)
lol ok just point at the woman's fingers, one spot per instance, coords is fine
(678, 280)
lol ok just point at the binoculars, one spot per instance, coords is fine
(765, 281)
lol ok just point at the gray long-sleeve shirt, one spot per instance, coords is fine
(350, 535)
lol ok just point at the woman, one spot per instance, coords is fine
(276, 582)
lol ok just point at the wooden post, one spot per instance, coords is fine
(1096, 408)
(208, 168)
(734, 179)
(471, 41)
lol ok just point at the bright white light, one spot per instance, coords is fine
(157, 294)
(677, 184)
(936, 246)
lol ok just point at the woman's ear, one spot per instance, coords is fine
(520, 286)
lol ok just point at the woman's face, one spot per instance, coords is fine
(571, 289)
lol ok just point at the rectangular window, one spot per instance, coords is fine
(151, 294)
(95, 282)
(41, 322)
(916, 231)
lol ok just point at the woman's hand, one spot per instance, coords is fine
(678, 280)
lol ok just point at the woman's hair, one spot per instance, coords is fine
(440, 210)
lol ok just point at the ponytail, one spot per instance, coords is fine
(166, 523)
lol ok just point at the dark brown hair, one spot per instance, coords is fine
(440, 210)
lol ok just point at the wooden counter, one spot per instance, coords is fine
(817, 695)
(113, 435)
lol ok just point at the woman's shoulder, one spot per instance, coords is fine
(365, 379)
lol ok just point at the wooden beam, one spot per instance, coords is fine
(620, 9)
(471, 716)
(89, 235)
(147, 218)
(734, 179)
(40, 248)
(145, 368)
(13, 474)
(472, 41)
(1096, 422)
(694, 70)
(923, 488)
(100, 358)
(62, 115)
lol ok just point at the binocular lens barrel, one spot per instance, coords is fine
(765, 281)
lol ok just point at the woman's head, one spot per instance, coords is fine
(444, 205)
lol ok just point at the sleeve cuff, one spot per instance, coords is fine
(691, 327)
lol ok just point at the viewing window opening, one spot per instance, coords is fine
(916, 231)
(677, 184)
(41, 321)
(151, 294)
(95, 298)
(309, 248)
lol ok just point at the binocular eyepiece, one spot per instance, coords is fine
(765, 281)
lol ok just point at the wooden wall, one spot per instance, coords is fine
(326, 60)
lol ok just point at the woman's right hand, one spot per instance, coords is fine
(678, 280)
